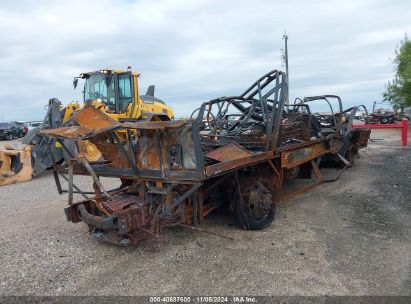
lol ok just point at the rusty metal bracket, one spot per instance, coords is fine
(320, 180)
(180, 199)
(86, 165)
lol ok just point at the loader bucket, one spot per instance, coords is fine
(15, 166)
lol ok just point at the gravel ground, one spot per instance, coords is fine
(350, 237)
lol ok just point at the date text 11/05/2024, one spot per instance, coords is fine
(203, 299)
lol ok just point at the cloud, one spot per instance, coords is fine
(196, 50)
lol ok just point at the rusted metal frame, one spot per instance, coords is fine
(273, 167)
(93, 175)
(210, 207)
(220, 119)
(197, 150)
(123, 150)
(229, 151)
(320, 180)
(318, 150)
(180, 199)
(180, 175)
(225, 167)
(304, 144)
(317, 171)
(332, 113)
(324, 97)
(311, 98)
(268, 77)
(70, 181)
(195, 209)
(247, 112)
(210, 188)
(159, 152)
(279, 112)
(200, 198)
(83, 193)
(238, 101)
(262, 103)
(57, 180)
(270, 123)
(273, 90)
(130, 142)
(250, 110)
(337, 125)
(200, 113)
(173, 175)
(97, 221)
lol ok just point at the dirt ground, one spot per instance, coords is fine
(349, 237)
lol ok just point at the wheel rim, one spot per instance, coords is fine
(90, 150)
(255, 202)
(259, 201)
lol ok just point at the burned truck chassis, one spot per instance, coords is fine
(236, 153)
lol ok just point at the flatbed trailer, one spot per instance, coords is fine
(233, 153)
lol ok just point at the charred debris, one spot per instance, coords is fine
(233, 152)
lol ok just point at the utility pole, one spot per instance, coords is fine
(285, 58)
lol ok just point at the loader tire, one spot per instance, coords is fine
(74, 148)
(71, 147)
(255, 209)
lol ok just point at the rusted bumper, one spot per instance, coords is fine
(79, 213)
(129, 223)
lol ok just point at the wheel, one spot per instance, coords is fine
(255, 209)
(384, 120)
(90, 150)
(11, 136)
(20, 134)
(71, 145)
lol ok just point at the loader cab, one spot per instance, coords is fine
(116, 93)
(114, 89)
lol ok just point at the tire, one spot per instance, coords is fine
(383, 120)
(20, 134)
(11, 136)
(255, 209)
(72, 147)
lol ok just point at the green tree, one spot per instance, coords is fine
(398, 91)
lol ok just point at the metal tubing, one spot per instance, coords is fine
(180, 199)
(93, 175)
(70, 182)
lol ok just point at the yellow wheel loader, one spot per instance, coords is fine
(113, 92)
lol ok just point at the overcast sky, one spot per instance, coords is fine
(196, 50)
